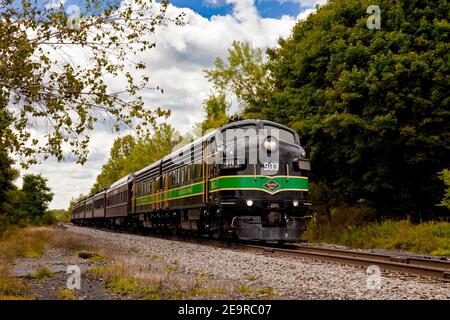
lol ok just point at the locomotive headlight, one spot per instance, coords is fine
(302, 152)
(295, 203)
(270, 143)
(304, 165)
(249, 203)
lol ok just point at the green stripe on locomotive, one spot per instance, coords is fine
(271, 185)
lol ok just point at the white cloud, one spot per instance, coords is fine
(54, 4)
(305, 3)
(176, 64)
(304, 14)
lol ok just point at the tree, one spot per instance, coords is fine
(35, 198)
(244, 75)
(113, 169)
(72, 202)
(151, 148)
(56, 71)
(215, 107)
(129, 154)
(372, 106)
(445, 177)
(7, 190)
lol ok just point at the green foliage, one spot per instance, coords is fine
(244, 75)
(41, 274)
(10, 286)
(445, 177)
(66, 294)
(60, 214)
(44, 82)
(430, 238)
(123, 285)
(215, 107)
(371, 106)
(112, 170)
(130, 154)
(34, 199)
(7, 189)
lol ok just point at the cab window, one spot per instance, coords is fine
(283, 134)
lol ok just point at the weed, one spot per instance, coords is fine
(66, 294)
(177, 295)
(24, 243)
(264, 291)
(244, 289)
(41, 274)
(250, 277)
(96, 271)
(10, 286)
(428, 238)
(98, 258)
(217, 291)
(173, 266)
(198, 292)
(124, 285)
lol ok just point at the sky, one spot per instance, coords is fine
(176, 65)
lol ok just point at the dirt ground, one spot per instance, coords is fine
(58, 261)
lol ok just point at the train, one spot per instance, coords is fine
(246, 180)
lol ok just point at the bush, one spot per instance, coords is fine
(344, 217)
(10, 286)
(429, 238)
(47, 219)
(445, 177)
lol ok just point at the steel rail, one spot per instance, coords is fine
(421, 266)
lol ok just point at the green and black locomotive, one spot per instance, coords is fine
(246, 180)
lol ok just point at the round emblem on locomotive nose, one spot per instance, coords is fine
(271, 185)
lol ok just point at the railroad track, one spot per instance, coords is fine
(416, 265)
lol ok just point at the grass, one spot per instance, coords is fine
(426, 238)
(250, 277)
(24, 242)
(123, 285)
(31, 242)
(174, 266)
(66, 294)
(11, 287)
(41, 274)
(244, 290)
(130, 278)
(70, 241)
(98, 258)
(264, 291)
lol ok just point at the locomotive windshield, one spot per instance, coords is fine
(283, 134)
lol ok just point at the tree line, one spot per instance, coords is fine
(56, 72)
(24, 206)
(370, 106)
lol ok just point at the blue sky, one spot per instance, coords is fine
(208, 8)
(266, 8)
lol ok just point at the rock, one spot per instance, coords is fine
(87, 255)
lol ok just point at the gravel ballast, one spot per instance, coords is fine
(292, 278)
